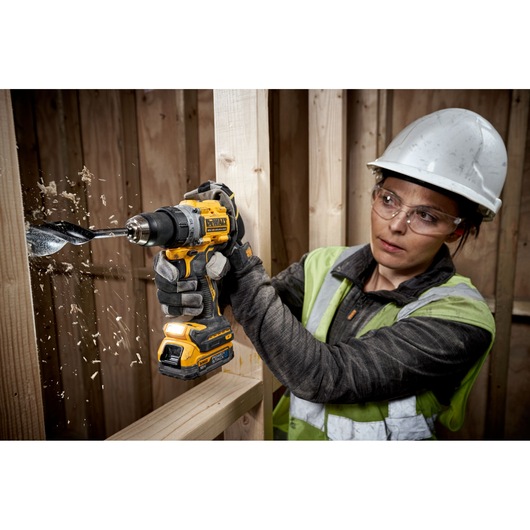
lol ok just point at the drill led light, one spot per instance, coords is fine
(176, 330)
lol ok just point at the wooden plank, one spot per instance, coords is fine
(121, 359)
(363, 147)
(206, 135)
(166, 175)
(24, 102)
(138, 293)
(327, 168)
(20, 386)
(201, 413)
(506, 262)
(242, 158)
(289, 177)
(72, 294)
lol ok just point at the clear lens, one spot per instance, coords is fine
(421, 219)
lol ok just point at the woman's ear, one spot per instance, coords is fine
(457, 234)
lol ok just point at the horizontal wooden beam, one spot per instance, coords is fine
(521, 308)
(201, 413)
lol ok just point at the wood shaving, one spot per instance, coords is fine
(86, 175)
(50, 190)
(71, 197)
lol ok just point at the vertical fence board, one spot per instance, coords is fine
(327, 168)
(362, 148)
(120, 359)
(24, 103)
(73, 403)
(167, 123)
(206, 135)
(289, 177)
(20, 389)
(507, 259)
(242, 157)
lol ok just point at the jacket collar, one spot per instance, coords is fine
(358, 267)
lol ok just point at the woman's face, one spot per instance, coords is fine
(400, 252)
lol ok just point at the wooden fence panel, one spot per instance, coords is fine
(119, 372)
(506, 263)
(163, 170)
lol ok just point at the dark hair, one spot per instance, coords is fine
(467, 210)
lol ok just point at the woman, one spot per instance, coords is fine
(380, 341)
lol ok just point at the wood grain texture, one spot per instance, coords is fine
(201, 413)
(20, 387)
(242, 158)
(363, 141)
(327, 168)
(506, 262)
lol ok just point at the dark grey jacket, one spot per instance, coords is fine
(412, 356)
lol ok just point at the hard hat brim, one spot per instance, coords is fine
(488, 208)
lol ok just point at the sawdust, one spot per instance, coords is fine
(50, 190)
(74, 308)
(86, 175)
(71, 197)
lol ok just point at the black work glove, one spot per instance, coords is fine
(180, 296)
(242, 258)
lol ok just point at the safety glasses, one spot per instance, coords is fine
(424, 220)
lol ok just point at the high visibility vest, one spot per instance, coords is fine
(411, 418)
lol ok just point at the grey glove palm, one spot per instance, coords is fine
(179, 297)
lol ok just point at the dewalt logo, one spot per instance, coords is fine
(216, 224)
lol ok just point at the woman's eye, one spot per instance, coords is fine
(389, 200)
(426, 216)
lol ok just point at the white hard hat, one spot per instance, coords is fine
(453, 149)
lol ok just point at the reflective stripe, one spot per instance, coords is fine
(341, 428)
(413, 428)
(312, 413)
(402, 408)
(403, 423)
(327, 291)
(439, 293)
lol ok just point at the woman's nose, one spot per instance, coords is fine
(399, 223)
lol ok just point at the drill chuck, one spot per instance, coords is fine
(168, 227)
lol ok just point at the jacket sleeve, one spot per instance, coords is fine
(289, 286)
(412, 355)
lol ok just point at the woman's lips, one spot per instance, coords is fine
(390, 247)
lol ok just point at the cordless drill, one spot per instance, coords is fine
(190, 233)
